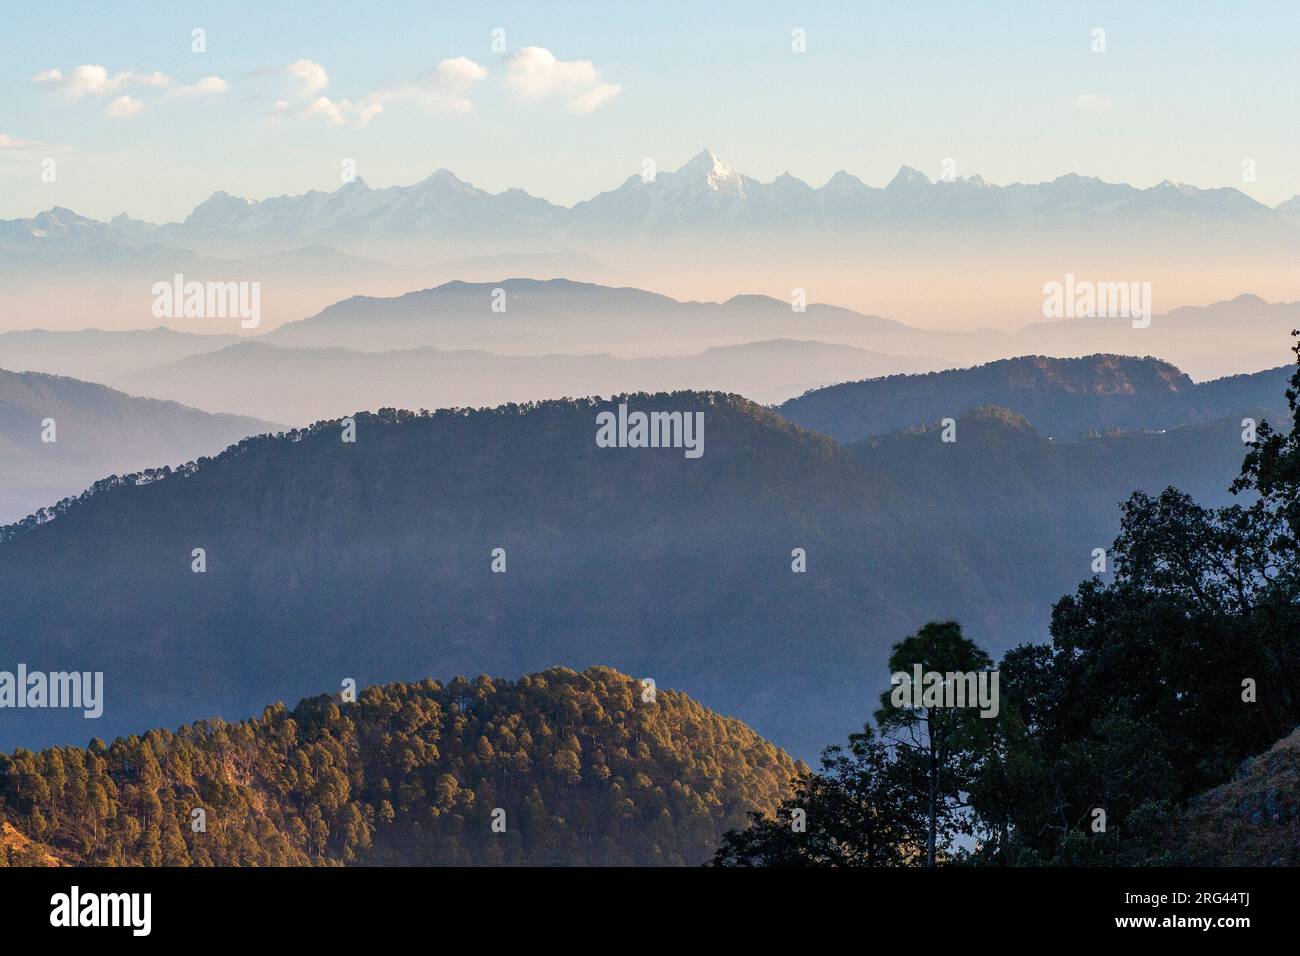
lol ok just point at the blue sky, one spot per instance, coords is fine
(1012, 91)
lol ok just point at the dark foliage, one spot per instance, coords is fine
(1157, 685)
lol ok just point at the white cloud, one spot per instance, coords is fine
(442, 89)
(308, 77)
(456, 75)
(588, 101)
(93, 80)
(13, 143)
(124, 107)
(535, 73)
(324, 106)
(208, 86)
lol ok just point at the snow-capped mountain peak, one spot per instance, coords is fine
(707, 170)
(704, 193)
(907, 177)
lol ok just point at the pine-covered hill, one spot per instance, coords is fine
(587, 771)
(16, 849)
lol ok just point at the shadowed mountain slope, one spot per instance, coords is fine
(1064, 398)
(97, 432)
(373, 560)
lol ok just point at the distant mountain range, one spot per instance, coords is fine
(99, 355)
(303, 385)
(703, 194)
(706, 191)
(482, 344)
(326, 559)
(60, 237)
(97, 432)
(1245, 334)
(528, 316)
(701, 231)
(1064, 398)
(1242, 335)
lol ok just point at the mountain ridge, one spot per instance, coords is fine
(59, 434)
(325, 558)
(443, 200)
(1061, 396)
(283, 382)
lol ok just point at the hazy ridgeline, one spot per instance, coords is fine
(372, 560)
(870, 248)
(59, 435)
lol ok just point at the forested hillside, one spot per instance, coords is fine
(585, 768)
(326, 559)
(1134, 738)
(1065, 398)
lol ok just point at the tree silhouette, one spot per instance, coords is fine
(855, 812)
(1155, 687)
